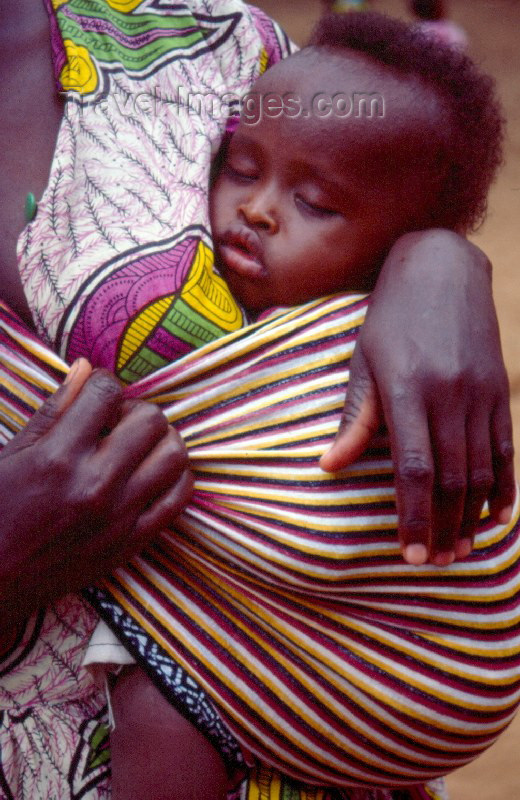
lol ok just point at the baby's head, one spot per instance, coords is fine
(371, 131)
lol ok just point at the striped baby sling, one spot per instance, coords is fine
(281, 589)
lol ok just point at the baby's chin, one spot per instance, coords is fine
(238, 262)
(246, 293)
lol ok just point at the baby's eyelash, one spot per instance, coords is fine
(238, 174)
(314, 209)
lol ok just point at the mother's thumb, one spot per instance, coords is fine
(360, 420)
(53, 408)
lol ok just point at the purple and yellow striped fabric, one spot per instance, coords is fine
(281, 589)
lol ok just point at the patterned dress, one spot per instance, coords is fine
(117, 267)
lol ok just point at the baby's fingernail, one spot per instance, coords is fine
(444, 559)
(505, 515)
(463, 548)
(415, 554)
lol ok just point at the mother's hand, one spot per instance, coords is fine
(84, 486)
(429, 356)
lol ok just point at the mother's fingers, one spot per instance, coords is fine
(480, 475)
(140, 428)
(96, 407)
(414, 476)
(450, 486)
(159, 472)
(165, 508)
(502, 495)
(46, 417)
(154, 494)
(360, 420)
(79, 372)
(138, 505)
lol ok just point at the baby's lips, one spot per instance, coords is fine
(241, 251)
(239, 261)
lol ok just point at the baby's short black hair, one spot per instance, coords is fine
(473, 141)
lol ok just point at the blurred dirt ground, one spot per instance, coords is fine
(493, 27)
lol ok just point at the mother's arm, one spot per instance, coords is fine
(428, 362)
(84, 486)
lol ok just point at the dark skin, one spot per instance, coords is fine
(458, 449)
(30, 104)
(61, 460)
(314, 202)
(156, 753)
(292, 188)
(115, 490)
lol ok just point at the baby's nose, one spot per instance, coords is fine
(259, 211)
